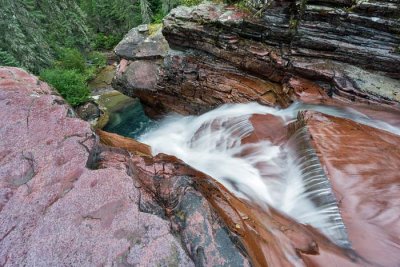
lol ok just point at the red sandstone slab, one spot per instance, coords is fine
(362, 164)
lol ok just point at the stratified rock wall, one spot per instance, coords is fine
(339, 44)
(221, 54)
(187, 82)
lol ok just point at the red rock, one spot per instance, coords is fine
(267, 127)
(362, 164)
(53, 210)
(307, 91)
(115, 140)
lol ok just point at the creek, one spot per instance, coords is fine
(286, 175)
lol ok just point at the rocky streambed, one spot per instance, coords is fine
(300, 169)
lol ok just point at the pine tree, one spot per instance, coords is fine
(21, 34)
(7, 60)
(145, 11)
(111, 17)
(32, 30)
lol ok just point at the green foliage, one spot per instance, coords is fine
(31, 30)
(243, 5)
(111, 18)
(190, 2)
(71, 84)
(72, 59)
(158, 17)
(65, 24)
(71, 73)
(7, 59)
(106, 42)
(22, 34)
(97, 59)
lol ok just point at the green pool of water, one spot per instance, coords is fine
(130, 120)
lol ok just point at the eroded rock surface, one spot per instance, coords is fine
(67, 199)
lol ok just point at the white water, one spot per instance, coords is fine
(284, 177)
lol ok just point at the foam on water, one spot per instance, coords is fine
(288, 177)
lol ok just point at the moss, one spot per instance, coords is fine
(154, 27)
(190, 2)
(293, 23)
(243, 6)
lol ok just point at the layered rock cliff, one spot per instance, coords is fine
(221, 54)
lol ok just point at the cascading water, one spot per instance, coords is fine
(288, 177)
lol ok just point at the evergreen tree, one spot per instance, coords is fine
(31, 31)
(111, 17)
(145, 11)
(7, 60)
(21, 34)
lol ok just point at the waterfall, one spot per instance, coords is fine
(287, 176)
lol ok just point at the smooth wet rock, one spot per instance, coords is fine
(362, 165)
(129, 144)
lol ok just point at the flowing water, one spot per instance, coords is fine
(288, 177)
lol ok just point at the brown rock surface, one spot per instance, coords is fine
(192, 83)
(131, 145)
(128, 209)
(270, 238)
(362, 164)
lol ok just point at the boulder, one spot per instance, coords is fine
(140, 43)
(88, 111)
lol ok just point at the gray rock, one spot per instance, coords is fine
(140, 43)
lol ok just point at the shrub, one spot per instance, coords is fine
(71, 59)
(106, 42)
(158, 17)
(6, 59)
(97, 59)
(71, 84)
